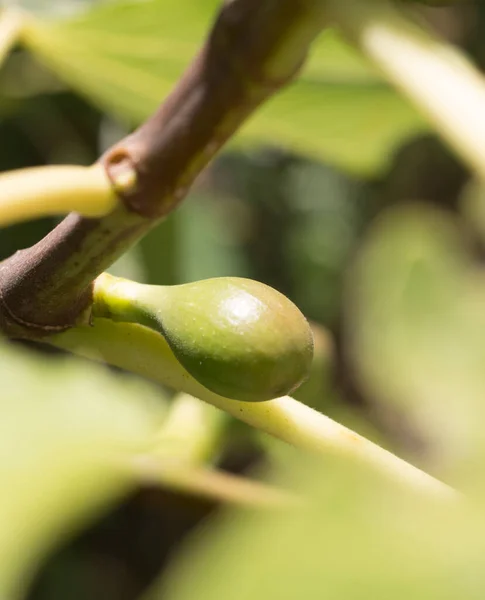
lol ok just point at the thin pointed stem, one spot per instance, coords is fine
(213, 485)
(11, 23)
(434, 75)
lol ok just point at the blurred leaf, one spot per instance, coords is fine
(159, 252)
(66, 433)
(207, 243)
(10, 23)
(472, 205)
(126, 56)
(353, 539)
(330, 209)
(416, 325)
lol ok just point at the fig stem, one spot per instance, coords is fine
(145, 352)
(441, 82)
(118, 299)
(43, 191)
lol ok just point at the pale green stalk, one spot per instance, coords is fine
(191, 432)
(434, 75)
(57, 190)
(190, 439)
(143, 351)
(211, 484)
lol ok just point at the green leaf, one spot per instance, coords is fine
(126, 57)
(416, 326)
(350, 539)
(67, 435)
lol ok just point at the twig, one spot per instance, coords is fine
(43, 191)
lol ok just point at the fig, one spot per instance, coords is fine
(239, 338)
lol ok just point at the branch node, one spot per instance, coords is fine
(122, 172)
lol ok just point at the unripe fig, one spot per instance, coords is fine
(239, 338)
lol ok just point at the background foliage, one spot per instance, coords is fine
(314, 198)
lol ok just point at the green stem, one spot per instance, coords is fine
(44, 191)
(191, 432)
(435, 76)
(143, 351)
(189, 439)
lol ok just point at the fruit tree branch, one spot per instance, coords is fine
(254, 49)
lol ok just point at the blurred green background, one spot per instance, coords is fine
(290, 202)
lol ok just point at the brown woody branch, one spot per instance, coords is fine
(255, 48)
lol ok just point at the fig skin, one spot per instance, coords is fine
(239, 338)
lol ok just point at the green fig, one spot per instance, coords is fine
(239, 338)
